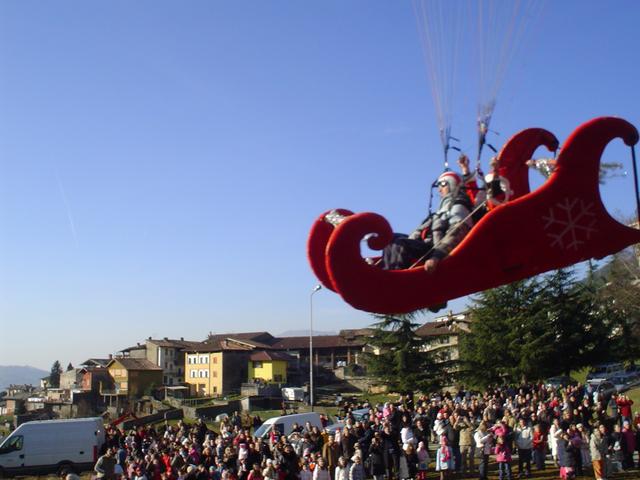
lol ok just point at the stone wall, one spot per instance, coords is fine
(171, 414)
(212, 411)
(262, 403)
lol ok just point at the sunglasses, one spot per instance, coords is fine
(443, 183)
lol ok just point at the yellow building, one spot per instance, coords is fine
(216, 368)
(268, 367)
(203, 373)
(134, 377)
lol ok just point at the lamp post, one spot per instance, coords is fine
(315, 289)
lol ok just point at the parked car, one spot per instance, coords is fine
(284, 424)
(633, 368)
(605, 388)
(559, 381)
(605, 371)
(625, 381)
(359, 415)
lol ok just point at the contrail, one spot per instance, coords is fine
(72, 225)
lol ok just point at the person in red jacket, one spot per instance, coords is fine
(255, 473)
(539, 447)
(624, 407)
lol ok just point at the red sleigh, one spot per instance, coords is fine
(561, 223)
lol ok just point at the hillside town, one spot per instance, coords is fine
(244, 364)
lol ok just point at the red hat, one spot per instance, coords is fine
(452, 179)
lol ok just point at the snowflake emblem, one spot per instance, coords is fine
(570, 223)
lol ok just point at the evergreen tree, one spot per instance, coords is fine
(54, 376)
(584, 325)
(69, 367)
(399, 361)
(540, 327)
(565, 309)
(621, 282)
(618, 294)
(509, 338)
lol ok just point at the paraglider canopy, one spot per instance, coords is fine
(491, 33)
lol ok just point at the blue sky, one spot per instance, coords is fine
(161, 162)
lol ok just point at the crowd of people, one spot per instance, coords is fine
(446, 435)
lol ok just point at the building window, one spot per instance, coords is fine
(215, 389)
(215, 359)
(203, 359)
(277, 378)
(257, 364)
(192, 374)
(215, 374)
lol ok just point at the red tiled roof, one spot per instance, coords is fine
(357, 332)
(255, 339)
(169, 343)
(265, 356)
(322, 341)
(135, 347)
(434, 329)
(218, 345)
(135, 364)
(103, 362)
(445, 325)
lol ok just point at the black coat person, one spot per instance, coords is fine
(408, 465)
(290, 464)
(391, 452)
(375, 462)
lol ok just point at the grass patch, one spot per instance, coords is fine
(581, 375)
(634, 394)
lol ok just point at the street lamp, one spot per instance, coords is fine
(315, 289)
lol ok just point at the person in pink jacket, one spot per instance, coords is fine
(503, 458)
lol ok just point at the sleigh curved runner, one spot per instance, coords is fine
(561, 223)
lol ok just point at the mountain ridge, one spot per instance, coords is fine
(20, 375)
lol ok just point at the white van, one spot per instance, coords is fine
(284, 425)
(48, 446)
